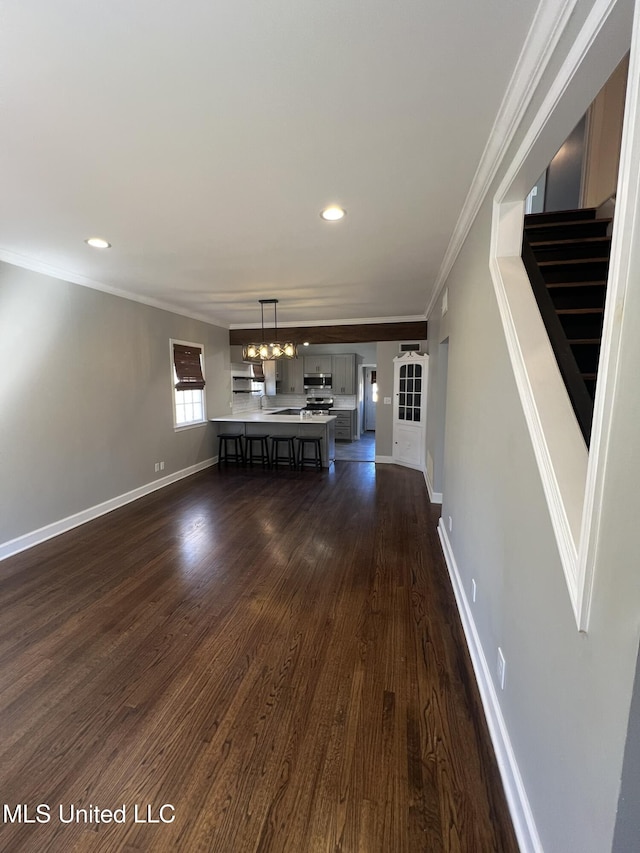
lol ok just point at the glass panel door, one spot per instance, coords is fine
(410, 392)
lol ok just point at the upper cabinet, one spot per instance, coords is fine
(317, 364)
(343, 380)
(291, 379)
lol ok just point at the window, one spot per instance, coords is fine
(187, 372)
(409, 396)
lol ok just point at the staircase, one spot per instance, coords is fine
(566, 254)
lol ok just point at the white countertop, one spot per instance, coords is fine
(267, 416)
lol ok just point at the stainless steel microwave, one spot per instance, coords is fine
(317, 382)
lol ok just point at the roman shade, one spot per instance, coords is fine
(186, 360)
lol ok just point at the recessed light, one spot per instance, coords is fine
(333, 213)
(97, 243)
(305, 343)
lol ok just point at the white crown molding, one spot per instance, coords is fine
(548, 24)
(27, 263)
(582, 45)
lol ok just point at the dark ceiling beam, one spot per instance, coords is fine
(356, 334)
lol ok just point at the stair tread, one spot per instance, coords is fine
(562, 223)
(547, 252)
(559, 262)
(590, 210)
(571, 241)
(579, 310)
(584, 214)
(596, 282)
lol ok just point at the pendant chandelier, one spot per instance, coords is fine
(269, 351)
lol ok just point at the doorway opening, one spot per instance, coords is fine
(363, 449)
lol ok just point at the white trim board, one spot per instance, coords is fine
(519, 808)
(385, 460)
(70, 277)
(36, 537)
(571, 477)
(548, 25)
(434, 497)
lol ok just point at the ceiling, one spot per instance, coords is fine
(202, 140)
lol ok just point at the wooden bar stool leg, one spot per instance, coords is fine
(316, 443)
(276, 458)
(263, 456)
(224, 455)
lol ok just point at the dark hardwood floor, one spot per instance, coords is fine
(360, 450)
(277, 656)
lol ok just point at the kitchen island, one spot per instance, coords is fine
(272, 421)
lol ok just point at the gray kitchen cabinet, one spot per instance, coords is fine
(291, 376)
(317, 364)
(345, 423)
(343, 380)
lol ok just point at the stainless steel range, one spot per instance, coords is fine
(319, 405)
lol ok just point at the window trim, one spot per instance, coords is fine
(190, 424)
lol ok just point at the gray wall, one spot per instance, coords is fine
(386, 351)
(628, 818)
(567, 698)
(564, 175)
(87, 400)
(367, 352)
(437, 395)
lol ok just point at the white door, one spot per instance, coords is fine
(409, 412)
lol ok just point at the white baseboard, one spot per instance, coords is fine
(516, 795)
(434, 497)
(35, 537)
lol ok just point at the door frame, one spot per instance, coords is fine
(402, 426)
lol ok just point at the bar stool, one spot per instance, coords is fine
(289, 447)
(235, 440)
(315, 443)
(263, 448)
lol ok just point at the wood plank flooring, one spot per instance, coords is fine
(275, 656)
(361, 450)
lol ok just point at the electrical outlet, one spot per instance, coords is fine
(473, 590)
(501, 668)
(157, 467)
(387, 401)
(162, 466)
